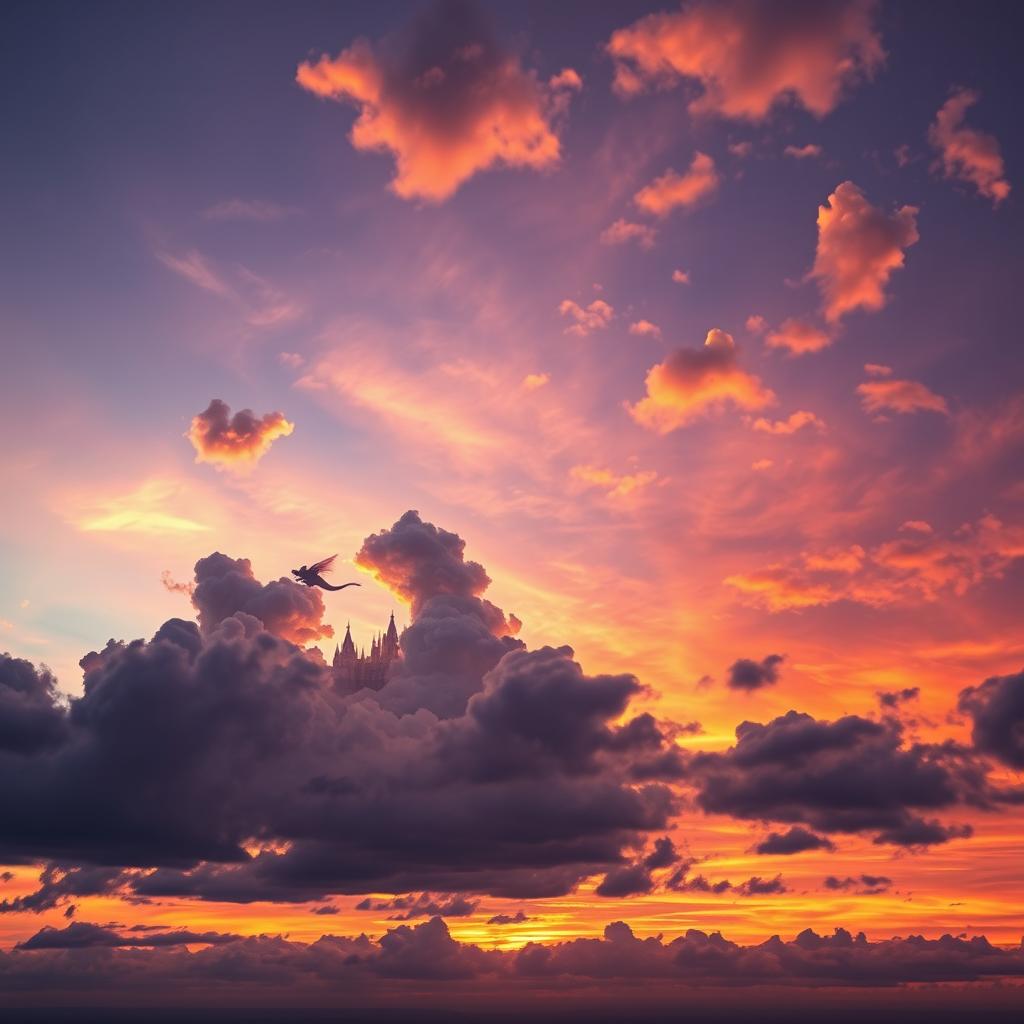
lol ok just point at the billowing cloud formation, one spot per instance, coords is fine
(794, 840)
(585, 319)
(917, 565)
(672, 190)
(997, 710)
(859, 246)
(410, 960)
(850, 775)
(30, 717)
(478, 767)
(694, 382)
(445, 101)
(903, 396)
(798, 337)
(966, 154)
(747, 674)
(749, 56)
(239, 440)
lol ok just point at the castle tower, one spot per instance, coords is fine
(389, 645)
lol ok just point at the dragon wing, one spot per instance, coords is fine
(325, 566)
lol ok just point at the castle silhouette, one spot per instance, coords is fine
(356, 671)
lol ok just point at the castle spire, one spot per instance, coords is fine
(347, 646)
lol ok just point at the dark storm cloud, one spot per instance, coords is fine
(58, 884)
(406, 908)
(894, 698)
(81, 935)
(849, 775)
(863, 885)
(184, 749)
(519, 917)
(997, 710)
(746, 674)
(30, 716)
(794, 840)
(630, 880)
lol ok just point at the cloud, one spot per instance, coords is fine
(30, 717)
(81, 935)
(594, 317)
(749, 57)
(996, 708)
(519, 917)
(864, 885)
(695, 382)
(966, 154)
(798, 337)
(614, 485)
(902, 396)
(859, 246)
(681, 276)
(877, 370)
(916, 565)
(445, 101)
(746, 674)
(234, 441)
(408, 908)
(630, 880)
(196, 269)
(793, 423)
(645, 327)
(258, 210)
(623, 231)
(810, 151)
(532, 381)
(755, 324)
(794, 840)
(851, 775)
(894, 698)
(672, 190)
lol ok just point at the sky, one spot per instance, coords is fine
(653, 364)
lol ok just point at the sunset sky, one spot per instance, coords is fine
(685, 338)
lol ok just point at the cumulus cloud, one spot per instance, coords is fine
(622, 231)
(747, 674)
(797, 337)
(966, 154)
(672, 190)
(851, 775)
(859, 246)
(808, 152)
(996, 708)
(645, 327)
(749, 57)
(793, 423)
(445, 100)
(794, 840)
(916, 565)
(695, 382)
(902, 396)
(234, 441)
(594, 317)
(221, 761)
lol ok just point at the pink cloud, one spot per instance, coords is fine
(694, 382)
(446, 102)
(750, 56)
(594, 317)
(645, 327)
(794, 422)
(234, 441)
(623, 231)
(681, 276)
(798, 337)
(902, 396)
(966, 154)
(613, 485)
(803, 152)
(671, 190)
(859, 246)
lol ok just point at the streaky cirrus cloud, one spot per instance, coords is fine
(966, 154)
(234, 442)
(798, 337)
(749, 57)
(445, 100)
(889, 394)
(859, 247)
(917, 565)
(672, 190)
(585, 319)
(259, 210)
(622, 231)
(695, 382)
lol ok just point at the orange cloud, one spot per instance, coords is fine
(614, 485)
(594, 317)
(794, 422)
(645, 327)
(664, 194)
(445, 101)
(694, 382)
(966, 154)
(902, 396)
(755, 323)
(859, 246)
(917, 565)
(623, 231)
(532, 381)
(798, 337)
(234, 441)
(749, 56)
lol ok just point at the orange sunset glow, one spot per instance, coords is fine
(512, 509)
